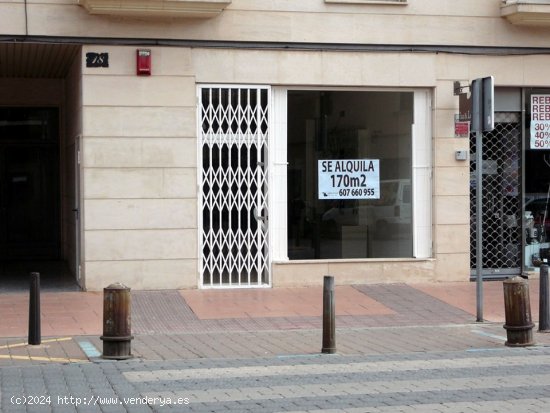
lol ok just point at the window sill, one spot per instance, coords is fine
(156, 8)
(526, 12)
(351, 260)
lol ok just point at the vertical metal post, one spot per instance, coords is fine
(544, 308)
(479, 226)
(329, 323)
(34, 310)
(477, 127)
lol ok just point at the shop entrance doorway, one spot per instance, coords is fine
(516, 186)
(501, 203)
(537, 178)
(233, 143)
(30, 197)
(40, 116)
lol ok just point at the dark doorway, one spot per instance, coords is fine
(29, 184)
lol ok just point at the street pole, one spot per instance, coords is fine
(544, 305)
(35, 337)
(479, 226)
(482, 120)
(329, 316)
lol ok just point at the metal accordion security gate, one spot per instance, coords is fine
(233, 151)
(501, 203)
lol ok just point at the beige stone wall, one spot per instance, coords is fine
(139, 133)
(140, 156)
(389, 270)
(450, 22)
(139, 171)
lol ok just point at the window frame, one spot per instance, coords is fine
(421, 173)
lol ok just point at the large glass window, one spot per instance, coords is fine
(357, 126)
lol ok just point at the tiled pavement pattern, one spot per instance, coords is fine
(160, 312)
(502, 380)
(400, 349)
(279, 302)
(299, 342)
(63, 313)
(58, 350)
(281, 343)
(412, 307)
(396, 305)
(373, 319)
(169, 312)
(174, 312)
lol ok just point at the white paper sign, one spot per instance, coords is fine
(540, 121)
(349, 179)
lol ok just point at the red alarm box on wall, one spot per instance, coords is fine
(143, 62)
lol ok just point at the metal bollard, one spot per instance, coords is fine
(329, 324)
(117, 330)
(519, 327)
(34, 310)
(544, 307)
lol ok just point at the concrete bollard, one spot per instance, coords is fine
(117, 329)
(544, 307)
(519, 326)
(329, 316)
(34, 310)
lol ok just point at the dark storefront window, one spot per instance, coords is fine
(537, 175)
(343, 125)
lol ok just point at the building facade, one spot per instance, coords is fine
(254, 143)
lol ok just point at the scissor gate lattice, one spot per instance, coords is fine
(233, 139)
(501, 198)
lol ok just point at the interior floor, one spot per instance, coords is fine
(54, 276)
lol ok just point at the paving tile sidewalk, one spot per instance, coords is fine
(371, 319)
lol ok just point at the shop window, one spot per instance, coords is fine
(537, 177)
(361, 218)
